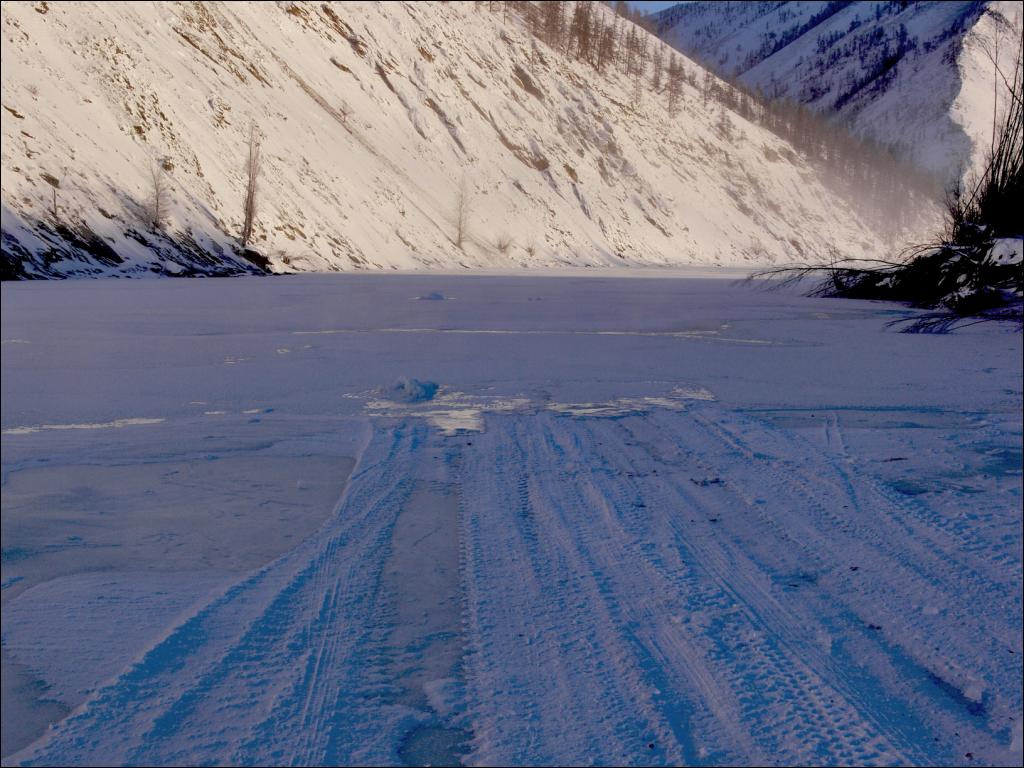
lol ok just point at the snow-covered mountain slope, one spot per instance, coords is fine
(913, 75)
(372, 117)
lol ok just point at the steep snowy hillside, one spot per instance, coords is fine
(911, 75)
(372, 117)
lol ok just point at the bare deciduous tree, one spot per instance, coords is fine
(463, 206)
(54, 183)
(156, 208)
(252, 168)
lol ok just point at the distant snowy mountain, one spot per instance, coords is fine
(372, 117)
(913, 75)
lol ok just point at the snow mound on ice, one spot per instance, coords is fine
(408, 390)
(1007, 250)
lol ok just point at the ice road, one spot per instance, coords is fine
(500, 520)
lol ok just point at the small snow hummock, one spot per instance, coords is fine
(1007, 250)
(408, 390)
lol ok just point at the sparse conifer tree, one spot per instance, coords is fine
(657, 62)
(580, 31)
(674, 86)
(606, 47)
(724, 123)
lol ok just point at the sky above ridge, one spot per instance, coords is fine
(651, 6)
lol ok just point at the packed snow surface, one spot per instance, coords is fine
(639, 521)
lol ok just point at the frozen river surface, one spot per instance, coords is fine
(422, 519)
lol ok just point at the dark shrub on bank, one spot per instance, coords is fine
(974, 270)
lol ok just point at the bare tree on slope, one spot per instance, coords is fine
(252, 168)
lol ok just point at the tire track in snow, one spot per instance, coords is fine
(613, 610)
(932, 662)
(552, 675)
(279, 669)
(781, 698)
(822, 487)
(965, 545)
(796, 701)
(890, 530)
(602, 567)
